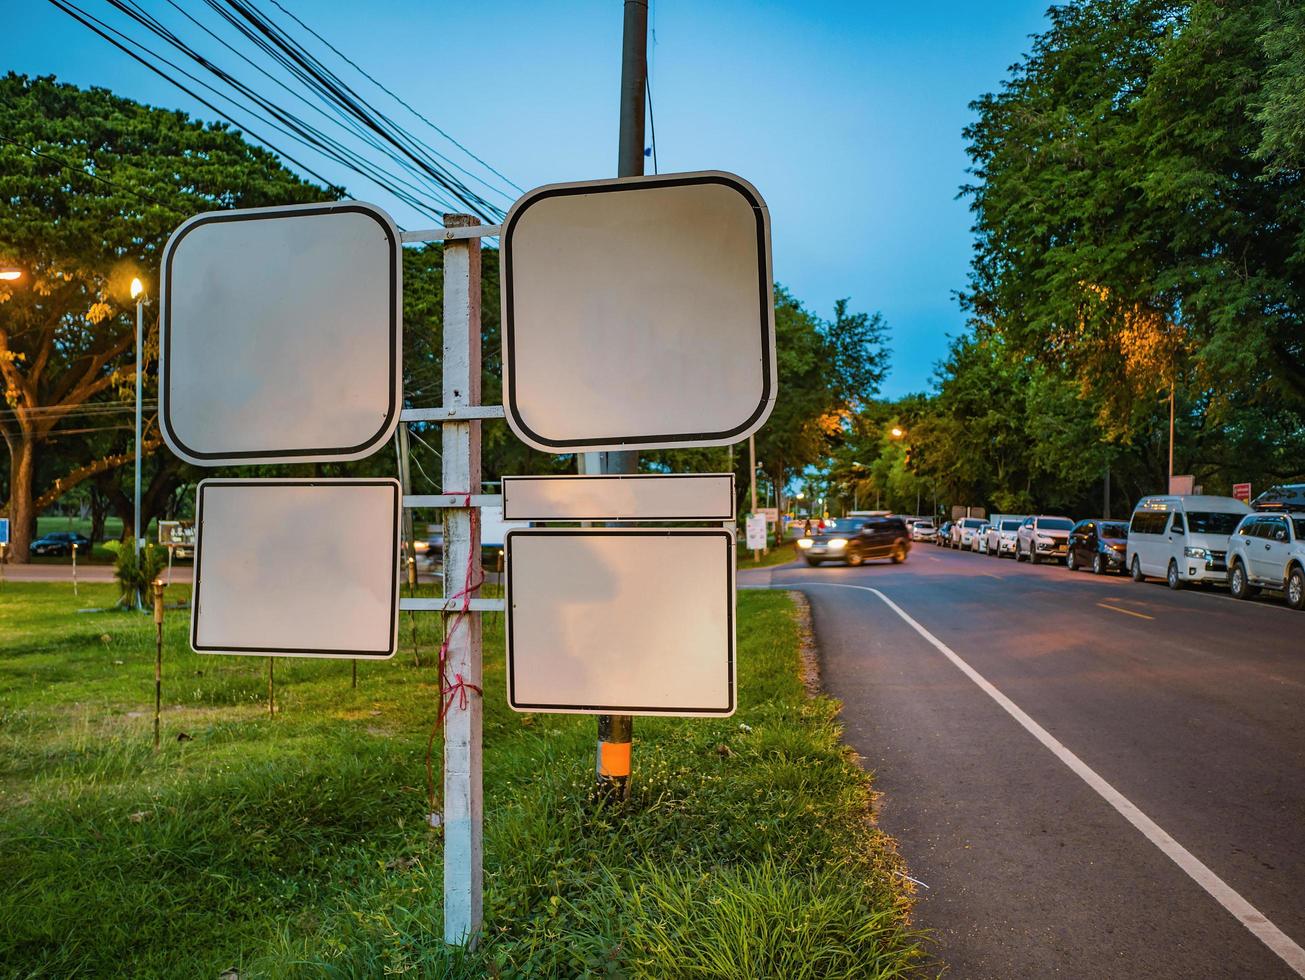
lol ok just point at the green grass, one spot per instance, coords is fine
(776, 556)
(296, 846)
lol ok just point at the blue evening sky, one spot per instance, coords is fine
(846, 116)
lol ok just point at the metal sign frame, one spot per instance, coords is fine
(292, 454)
(727, 540)
(303, 652)
(765, 310)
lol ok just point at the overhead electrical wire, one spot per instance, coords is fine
(411, 169)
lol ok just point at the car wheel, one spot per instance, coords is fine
(1296, 588)
(1069, 560)
(1033, 556)
(813, 562)
(854, 558)
(1136, 569)
(1171, 576)
(1098, 565)
(1237, 583)
(899, 554)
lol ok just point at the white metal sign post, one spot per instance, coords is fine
(463, 799)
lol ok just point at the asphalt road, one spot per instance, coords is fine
(1189, 705)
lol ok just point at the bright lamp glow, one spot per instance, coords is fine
(137, 287)
(10, 275)
(898, 432)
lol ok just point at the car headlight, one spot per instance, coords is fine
(804, 542)
(837, 543)
(1196, 553)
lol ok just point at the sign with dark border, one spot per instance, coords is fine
(283, 560)
(314, 375)
(632, 621)
(620, 497)
(638, 312)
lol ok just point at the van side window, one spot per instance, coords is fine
(1177, 527)
(1149, 522)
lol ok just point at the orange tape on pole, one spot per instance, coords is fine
(614, 759)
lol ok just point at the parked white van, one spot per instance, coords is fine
(1182, 539)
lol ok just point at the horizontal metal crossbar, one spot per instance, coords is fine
(449, 501)
(452, 605)
(454, 413)
(451, 234)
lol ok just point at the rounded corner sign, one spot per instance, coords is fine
(280, 334)
(638, 313)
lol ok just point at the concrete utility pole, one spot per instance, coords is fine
(137, 533)
(752, 469)
(463, 784)
(1169, 489)
(615, 732)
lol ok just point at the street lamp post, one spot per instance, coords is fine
(138, 294)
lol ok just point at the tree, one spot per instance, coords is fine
(93, 184)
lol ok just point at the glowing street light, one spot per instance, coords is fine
(10, 275)
(138, 294)
(897, 432)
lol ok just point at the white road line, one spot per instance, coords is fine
(1223, 893)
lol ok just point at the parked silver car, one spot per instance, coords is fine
(1267, 551)
(963, 530)
(1001, 537)
(923, 531)
(1042, 537)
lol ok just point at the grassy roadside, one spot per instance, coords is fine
(295, 845)
(778, 555)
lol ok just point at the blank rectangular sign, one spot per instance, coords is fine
(620, 497)
(280, 334)
(638, 312)
(633, 621)
(297, 568)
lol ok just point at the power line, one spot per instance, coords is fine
(401, 102)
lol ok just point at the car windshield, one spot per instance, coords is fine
(1010, 525)
(1208, 522)
(844, 525)
(1054, 524)
(971, 522)
(1299, 524)
(1109, 529)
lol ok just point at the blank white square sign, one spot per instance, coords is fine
(297, 568)
(621, 621)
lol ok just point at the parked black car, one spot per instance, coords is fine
(1098, 544)
(61, 543)
(1289, 496)
(856, 540)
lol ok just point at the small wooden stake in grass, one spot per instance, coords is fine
(158, 659)
(355, 672)
(74, 554)
(271, 690)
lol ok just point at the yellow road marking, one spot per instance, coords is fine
(1126, 612)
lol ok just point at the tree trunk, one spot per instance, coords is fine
(99, 510)
(22, 520)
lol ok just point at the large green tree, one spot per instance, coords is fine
(92, 185)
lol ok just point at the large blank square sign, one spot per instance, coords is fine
(638, 312)
(633, 621)
(297, 568)
(280, 334)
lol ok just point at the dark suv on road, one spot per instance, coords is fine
(1099, 545)
(856, 540)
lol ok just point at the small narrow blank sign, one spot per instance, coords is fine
(280, 334)
(621, 621)
(297, 568)
(620, 497)
(638, 312)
